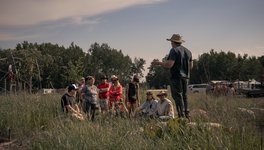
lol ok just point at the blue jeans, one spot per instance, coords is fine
(179, 94)
(90, 109)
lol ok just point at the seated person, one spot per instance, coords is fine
(68, 103)
(164, 109)
(148, 108)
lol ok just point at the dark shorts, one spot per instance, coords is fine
(132, 101)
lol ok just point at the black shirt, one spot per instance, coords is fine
(132, 91)
(66, 99)
(182, 57)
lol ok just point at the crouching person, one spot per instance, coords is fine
(164, 109)
(68, 103)
(148, 108)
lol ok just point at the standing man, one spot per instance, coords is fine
(180, 63)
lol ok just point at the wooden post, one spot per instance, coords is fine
(5, 87)
(261, 138)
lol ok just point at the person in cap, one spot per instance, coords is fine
(180, 63)
(103, 89)
(132, 95)
(68, 102)
(115, 95)
(89, 94)
(148, 108)
(164, 107)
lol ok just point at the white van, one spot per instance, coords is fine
(197, 88)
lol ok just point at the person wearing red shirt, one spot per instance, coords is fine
(115, 94)
(103, 88)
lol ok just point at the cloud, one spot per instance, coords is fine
(82, 20)
(32, 12)
(260, 47)
(10, 37)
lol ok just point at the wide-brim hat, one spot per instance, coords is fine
(176, 38)
(162, 93)
(149, 93)
(114, 77)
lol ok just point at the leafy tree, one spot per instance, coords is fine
(261, 59)
(214, 66)
(104, 60)
(158, 77)
(138, 66)
(225, 66)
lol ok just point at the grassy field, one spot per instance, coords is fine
(36, 122)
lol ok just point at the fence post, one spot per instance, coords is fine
(261, 136)
(5, 87)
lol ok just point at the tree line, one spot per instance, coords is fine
(47, 65)
(213, 65)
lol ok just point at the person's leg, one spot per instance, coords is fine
(176, 93)
(93, 108)
(102, 105)
(110, 107)
(134, 106)
(184, 96)
(88, 108)
(105, 105)
(129, 107)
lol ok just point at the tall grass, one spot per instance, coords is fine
(36, 122)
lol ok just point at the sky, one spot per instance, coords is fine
(137, 27)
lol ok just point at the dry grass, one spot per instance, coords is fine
(36, 122)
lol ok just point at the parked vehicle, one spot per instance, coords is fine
(255, 90)
(197, 88)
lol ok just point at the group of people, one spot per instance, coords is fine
(220, 89)
(88, 96)
(110, 96)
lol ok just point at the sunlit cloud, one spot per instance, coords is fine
(260, 48)
(82, 20)
(32, 12)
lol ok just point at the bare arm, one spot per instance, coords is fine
(167, 112)
(76, 108)
(166, 64)
(190, 64)
(71, 109)
(103, 90)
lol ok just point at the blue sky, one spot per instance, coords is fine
(138, 27)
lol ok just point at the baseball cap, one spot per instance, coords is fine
(72, 87)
